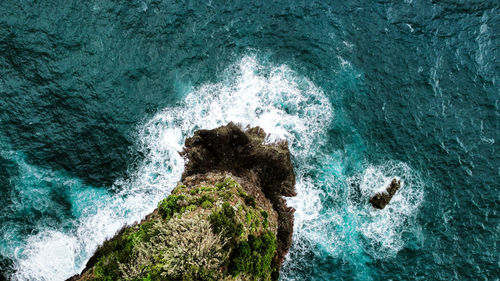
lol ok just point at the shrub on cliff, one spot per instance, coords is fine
(201, 232)
(183, 249)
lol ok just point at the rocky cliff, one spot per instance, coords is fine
(225, 220)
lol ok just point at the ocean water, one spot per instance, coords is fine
(97, 98)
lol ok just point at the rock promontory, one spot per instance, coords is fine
(225, 220)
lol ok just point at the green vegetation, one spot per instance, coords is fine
(226, 195)
(171, 254)
(224, 221)
(177, 254)
(169, 206)
(206, 204)
(231, 239)
(119, 250)
(254, 256)
(191, 207)
(228, 183)
(249, 200)
(178, 204)
(203, 199)
(264, 214)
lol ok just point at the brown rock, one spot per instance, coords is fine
(381, 199)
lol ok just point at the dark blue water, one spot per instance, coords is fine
(97, 97)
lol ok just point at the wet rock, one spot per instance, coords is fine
(381, 199)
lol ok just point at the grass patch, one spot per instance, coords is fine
(224, 221)
(254, 256)
(234, 240)
(206, 204)
(169, 206)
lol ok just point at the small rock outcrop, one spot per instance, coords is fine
(225, 220)
(381, 199)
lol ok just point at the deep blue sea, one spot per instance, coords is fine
(98, 96)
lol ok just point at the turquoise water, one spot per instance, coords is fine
(97, 97)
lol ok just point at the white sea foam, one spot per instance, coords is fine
(50, 255)
(384, 229)
(334, 218)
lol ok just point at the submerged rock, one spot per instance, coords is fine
(381, 199)
(225, 220)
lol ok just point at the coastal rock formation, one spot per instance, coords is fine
(381, 199)
(225, 220)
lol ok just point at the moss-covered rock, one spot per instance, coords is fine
(218, 224)
(205, 230)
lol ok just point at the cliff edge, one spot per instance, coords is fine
(225, 220)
